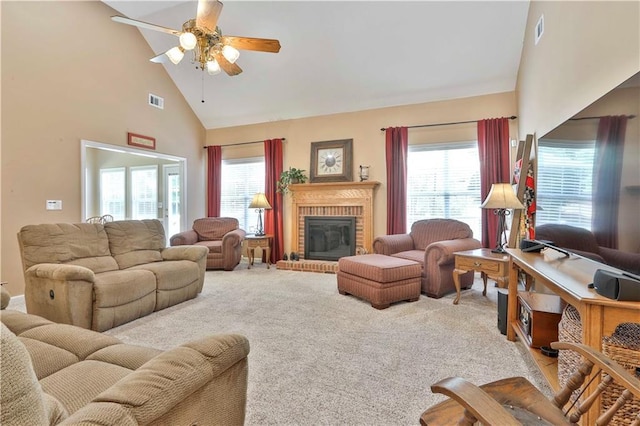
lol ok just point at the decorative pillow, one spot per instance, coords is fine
(21, 398)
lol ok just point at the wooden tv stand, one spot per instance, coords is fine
(567, 277)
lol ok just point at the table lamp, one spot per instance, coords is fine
(501, 198)
(260, 203)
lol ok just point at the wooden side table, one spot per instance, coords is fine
(253, 242)
(489, 264)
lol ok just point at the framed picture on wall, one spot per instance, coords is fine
(331, 161)
(141, 141)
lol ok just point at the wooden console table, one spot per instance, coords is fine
(568, 277)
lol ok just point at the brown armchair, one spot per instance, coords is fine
(432, 243)
(581, 241)
(221, 235)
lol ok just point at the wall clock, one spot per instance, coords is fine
(331, 161)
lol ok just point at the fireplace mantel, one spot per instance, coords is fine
(334, 199)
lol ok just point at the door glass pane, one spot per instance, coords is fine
(112, 192)
(144, 192)
(173, 203)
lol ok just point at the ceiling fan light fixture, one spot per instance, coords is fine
(175, 54)
(188, 40)
(230, 53)
(213, 67)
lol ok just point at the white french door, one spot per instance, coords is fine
(172, 199)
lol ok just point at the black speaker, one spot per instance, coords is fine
(616, 286)
(503, 298)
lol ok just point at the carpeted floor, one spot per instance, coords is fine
(319, 357)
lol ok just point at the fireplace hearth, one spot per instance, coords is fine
(329, 237)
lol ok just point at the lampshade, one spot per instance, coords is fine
(188, 40)
(231, 54)
(501, 196)
(213, 67)
(260, 202)
(175, 54)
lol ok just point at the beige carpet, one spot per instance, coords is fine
(319, 357)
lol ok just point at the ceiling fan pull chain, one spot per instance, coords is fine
(202, 86)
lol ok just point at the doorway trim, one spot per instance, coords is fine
(85, 144)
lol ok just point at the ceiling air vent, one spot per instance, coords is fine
(156, 101)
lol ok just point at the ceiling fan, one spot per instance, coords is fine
(212, 50)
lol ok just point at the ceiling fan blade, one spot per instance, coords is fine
(249, 43)
(208, 13)
(160, 59)
(145, 25)
(228, 67)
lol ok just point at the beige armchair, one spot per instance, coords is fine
(432, 243)
(221, 235)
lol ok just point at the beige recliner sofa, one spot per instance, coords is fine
(222, 236)
(100, 276)
(60, 374)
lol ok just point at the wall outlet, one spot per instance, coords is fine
(54, 204)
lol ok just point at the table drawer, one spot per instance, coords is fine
(487, 266)
(254, 243)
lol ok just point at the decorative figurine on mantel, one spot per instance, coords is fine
(364, 173)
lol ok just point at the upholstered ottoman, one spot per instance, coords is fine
(379, 279)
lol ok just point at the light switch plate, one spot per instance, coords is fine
(54, 204)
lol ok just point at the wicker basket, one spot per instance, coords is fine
(623, 346)
(569, 330)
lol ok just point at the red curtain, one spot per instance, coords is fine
(493, 149)
(214, 187)
(397, 146)
(273, 223)
(607, 171)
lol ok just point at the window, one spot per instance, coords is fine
(144, 192)
(443, 181)
(241, 180)
(112, 192)
(564, 182)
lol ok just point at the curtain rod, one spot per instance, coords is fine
(242, 143)
(513, 117)
(598, 117)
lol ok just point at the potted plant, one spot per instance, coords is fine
(290, 176)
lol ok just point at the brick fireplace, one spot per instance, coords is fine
(336, 199)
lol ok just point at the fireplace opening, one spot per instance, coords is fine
(329, 237)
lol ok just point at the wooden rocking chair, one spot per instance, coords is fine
(515, 401)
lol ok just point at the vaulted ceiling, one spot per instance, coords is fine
(340, 56)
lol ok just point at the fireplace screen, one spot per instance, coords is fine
(329, 237)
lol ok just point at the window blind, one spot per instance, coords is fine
(241, 180)
(565, 182)
(443, 181)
